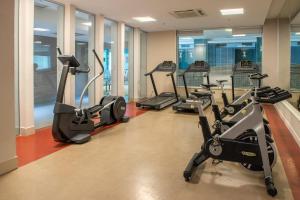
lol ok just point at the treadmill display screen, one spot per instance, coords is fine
(198, 66)
(245, 66)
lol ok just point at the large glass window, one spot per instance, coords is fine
(84, 45)
(295, 60)
(48, 34)
(295, 68)
(221, 50)
(143, 65)
(128, 67)
(110, 56)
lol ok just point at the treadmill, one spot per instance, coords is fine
(244, 67)
(189, 104)
(165, 99)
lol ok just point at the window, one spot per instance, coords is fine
(128, 67)
(84, 45)
(48, 34)
(295, 60)
(295, 67)
(221, 50)
(110, 57)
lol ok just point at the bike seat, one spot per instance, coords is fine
(208, 86)
(222, 81)
(201, 94)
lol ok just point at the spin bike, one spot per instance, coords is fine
(245, 142)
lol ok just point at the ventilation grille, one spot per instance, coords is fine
(188, 13)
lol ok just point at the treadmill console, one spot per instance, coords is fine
(166, 66)
(245, 66)
(198, 66)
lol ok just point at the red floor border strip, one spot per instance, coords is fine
(289, 150)
(41, 144)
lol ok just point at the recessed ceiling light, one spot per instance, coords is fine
(41, 29)
(81, 43)
(298, 33)
(144, 19)
(235, 11)
(239, 35)
(228, 29)
(37, 42)
(87, 23)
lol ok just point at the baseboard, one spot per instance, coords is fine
(294, 116)
(8, 165)
(27, 130)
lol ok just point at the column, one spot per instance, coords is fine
(276, 52)
(8, 158)
(136, 64)
(121, 61)
(26, 77)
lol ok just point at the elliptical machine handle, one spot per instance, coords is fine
(83, 70)
(59, 51)
(99, 61)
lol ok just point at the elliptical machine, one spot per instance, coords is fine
(245, 142)
(75, 125)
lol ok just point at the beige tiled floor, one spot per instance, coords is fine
(141, 160)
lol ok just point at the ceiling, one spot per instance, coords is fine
(256, 12)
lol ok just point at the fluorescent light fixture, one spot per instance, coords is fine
(186, 38)
(239, 35)
(235, 11)
(41, 29)
(81, 43)
(37, 42)
(228, 29)
(87, 23)
(144, 19)
(298, 33)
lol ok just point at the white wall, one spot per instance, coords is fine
(291, 118)
(8, 159)
(161, 46)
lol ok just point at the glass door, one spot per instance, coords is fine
(110, 57)
(128, 65)
(84, 45)
(48, 34)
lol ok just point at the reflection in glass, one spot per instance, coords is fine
(48, 34)
(128, 64)
(110, 57)
(84, 44)
(221, 50)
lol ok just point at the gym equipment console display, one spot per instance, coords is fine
(75, 125)
(188, 104)
(164, 99)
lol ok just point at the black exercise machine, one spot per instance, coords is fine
(162, 100)
(245, 142)
(188, 104)
(75, 125)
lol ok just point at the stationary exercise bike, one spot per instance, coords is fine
(245, 142)
(75, 125)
